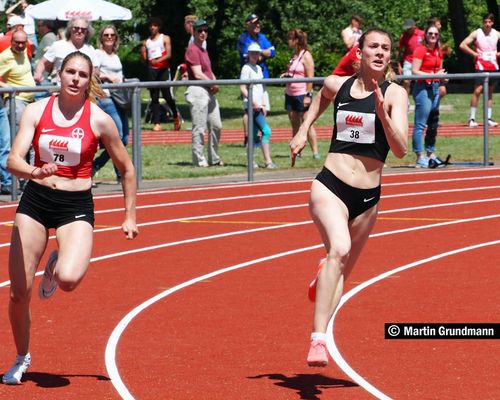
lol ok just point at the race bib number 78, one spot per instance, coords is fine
(60, 150)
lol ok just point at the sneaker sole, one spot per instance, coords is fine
(317, 364)
(42, 294)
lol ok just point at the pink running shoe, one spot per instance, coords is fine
(312, 286)
(318, 354)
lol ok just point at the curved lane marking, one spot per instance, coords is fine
(332, 347)
(110, 353)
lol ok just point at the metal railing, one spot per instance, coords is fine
(136, 107)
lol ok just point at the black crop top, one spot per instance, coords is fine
(357, 129)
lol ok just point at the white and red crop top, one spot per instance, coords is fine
(71, 148)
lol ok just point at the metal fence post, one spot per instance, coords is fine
(136, 129)
(486, 156)
(250, 138)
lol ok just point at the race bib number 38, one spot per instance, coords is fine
(355, 127)
(60, 150)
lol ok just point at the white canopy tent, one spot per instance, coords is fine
(64, 10)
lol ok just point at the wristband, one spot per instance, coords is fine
(34, 169)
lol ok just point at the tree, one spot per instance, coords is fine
(322, 20)
(460, 31)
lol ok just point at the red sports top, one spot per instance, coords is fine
(71, 148)
(345, 67)
(432, 61)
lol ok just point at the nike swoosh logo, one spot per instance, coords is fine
(80, 216)
(342, 104)
(48, 130)
(370, 199)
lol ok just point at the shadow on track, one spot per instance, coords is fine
(46, 380)
(308, 386)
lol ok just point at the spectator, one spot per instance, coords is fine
(157, 51)
(253, 71)
(427, 59)
(110, 71)
(5, 176)
(188, 27)
(78, 33)
(348, 64)
(48, 38)
(202, 102)
(485, 41)
(14, 23)
(28, 21)
(433, 120)
(352, 33)
(411, 38)
(253, 34)
(298, 96)
(436, 21)
(15, 70)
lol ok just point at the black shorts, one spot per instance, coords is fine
(295, 103)
(54, 208)
(356, 200)
(492, 82)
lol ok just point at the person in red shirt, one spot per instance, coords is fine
(411, 38)
(348, 64)
(204, 107)
(427, 59)
(14, 24)
(64, 131)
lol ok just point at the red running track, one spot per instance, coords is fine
(209, 302)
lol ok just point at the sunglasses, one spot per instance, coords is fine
(432, 34)
(109, 35)
(202, 30)
(79, 29)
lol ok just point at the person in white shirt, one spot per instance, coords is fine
(78, 33)
(111, 71)
(485, 55)
(28, 21)
(251, 70)
(353, 32)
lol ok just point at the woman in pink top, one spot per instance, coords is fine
(298, 95)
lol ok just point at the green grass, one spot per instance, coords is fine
(174, 161)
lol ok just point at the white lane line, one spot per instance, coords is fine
(231, 185)
(332, 347)
(110, 353)
(263, 195)
(256, 210)
(185, 241)
(430, 181)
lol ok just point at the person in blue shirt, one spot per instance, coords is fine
(251, 35)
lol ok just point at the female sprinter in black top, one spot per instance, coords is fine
(370, 117)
